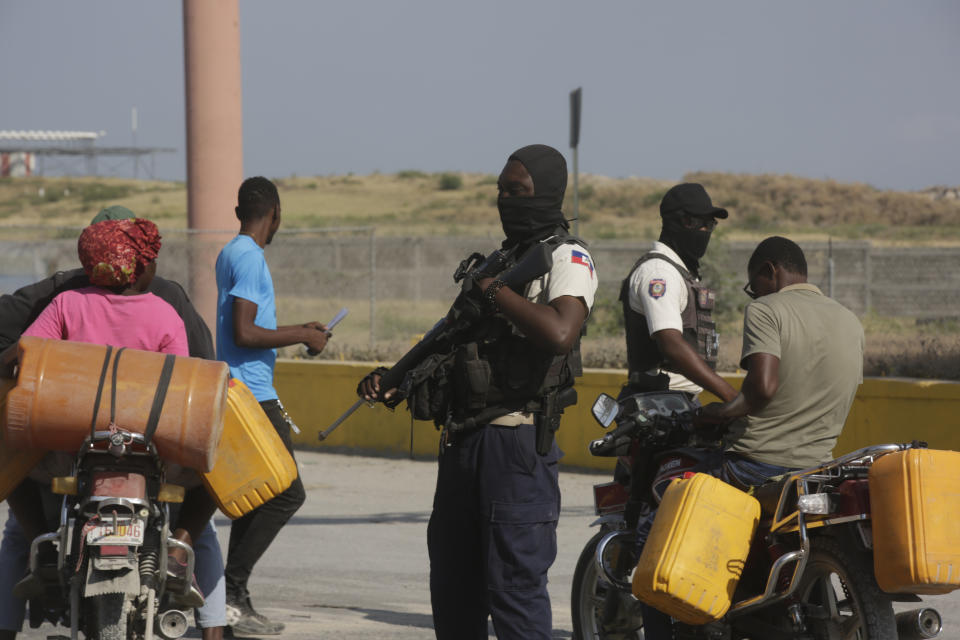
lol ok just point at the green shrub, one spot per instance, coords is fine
(586, 192)
(450, 181)
(653, 198)
(408, 174)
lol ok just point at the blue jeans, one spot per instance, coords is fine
(14, 552)
(732, 468)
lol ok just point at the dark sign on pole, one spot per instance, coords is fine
(575, 116)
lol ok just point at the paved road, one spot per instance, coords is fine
(353, 562)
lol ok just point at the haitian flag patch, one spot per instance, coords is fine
(657, 288)
(578, 257)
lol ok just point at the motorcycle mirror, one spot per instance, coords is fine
(605, 409)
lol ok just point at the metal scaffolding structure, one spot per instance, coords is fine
(46, 145)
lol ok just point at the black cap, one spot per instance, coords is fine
(690, 198)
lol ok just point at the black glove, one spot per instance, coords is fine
(379, 371)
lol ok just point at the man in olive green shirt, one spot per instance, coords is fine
(803, 353)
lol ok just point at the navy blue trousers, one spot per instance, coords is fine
(493, 535)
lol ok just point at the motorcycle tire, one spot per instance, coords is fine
(106, 616)
(589, 596)
(839, 585)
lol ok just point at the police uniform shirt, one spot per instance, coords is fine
(659, 293)
(572, 274)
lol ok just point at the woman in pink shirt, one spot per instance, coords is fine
(119, 256)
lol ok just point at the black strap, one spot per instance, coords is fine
(113, 389)
(103, 377)
(684, 273)
(162, 385)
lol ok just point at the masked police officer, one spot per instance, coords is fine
(671, 335)
(497, 393)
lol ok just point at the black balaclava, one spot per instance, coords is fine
(690, 244)
(529, 219)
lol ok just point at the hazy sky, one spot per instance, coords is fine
(863, 90)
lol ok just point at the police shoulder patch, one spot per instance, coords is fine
(657, 288)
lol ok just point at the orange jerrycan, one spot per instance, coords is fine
(253, 465)
(914, 502)
(63, 387)
(14, 463)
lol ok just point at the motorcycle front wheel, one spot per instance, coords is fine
(841, 596)
(592, 599)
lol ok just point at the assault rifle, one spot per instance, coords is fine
(465, 315)
(467, 310)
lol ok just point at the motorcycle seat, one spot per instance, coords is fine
(768, 495)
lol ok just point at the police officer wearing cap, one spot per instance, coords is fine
(671, 336)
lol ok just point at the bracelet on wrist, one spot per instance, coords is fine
(490, 294)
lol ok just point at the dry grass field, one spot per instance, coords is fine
(414, 203)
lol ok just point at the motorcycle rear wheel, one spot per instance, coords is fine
(105, 616)
(588, 597)
(841, 595)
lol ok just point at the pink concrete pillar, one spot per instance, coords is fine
(211, 44)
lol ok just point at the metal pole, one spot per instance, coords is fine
(868, 276)
(575, 100)
(830, 266)
(576, 196)
(417, 267)
(133, 131)
(214, 123)
(373, 285)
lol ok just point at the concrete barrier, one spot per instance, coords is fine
(315, 393)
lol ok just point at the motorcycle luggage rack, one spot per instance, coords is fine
(861, 457)
(90, 443)
(129, 505)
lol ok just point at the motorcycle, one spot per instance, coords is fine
(103, 571)
(809, 573)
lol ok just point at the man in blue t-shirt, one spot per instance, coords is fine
(247, 338)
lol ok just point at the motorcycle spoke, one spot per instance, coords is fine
(850, 628)
(840, 596)
(828, 597)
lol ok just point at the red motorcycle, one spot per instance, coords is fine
(809, 574)
(103, 571)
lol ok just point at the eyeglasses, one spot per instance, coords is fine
(747, 289)
(708, 223)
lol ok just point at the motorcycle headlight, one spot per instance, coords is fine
(816, 504)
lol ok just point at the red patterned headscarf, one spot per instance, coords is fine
(114, 253)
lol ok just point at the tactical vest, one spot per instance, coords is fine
(495, 373)
(699, 329)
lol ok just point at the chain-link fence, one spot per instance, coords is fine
(395, 287)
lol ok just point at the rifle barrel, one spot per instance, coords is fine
(336, 423)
